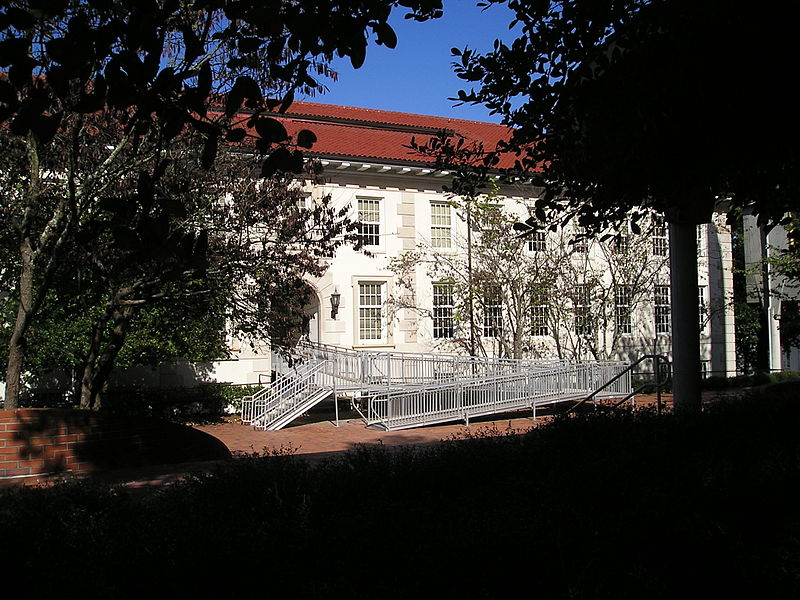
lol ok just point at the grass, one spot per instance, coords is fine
(600, 505)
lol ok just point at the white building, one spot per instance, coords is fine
(770, 291)
(397, 197)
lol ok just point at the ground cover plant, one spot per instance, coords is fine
(597, 505)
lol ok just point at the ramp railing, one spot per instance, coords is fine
(464, 399)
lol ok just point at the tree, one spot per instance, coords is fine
(141, 74)
(622, 105)
(557, 294)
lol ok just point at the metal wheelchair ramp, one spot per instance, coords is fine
(399, 390)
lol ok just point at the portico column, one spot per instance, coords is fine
(686, 368)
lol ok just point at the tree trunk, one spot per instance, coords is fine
(104, 365)
(90, 362)
(17, 343)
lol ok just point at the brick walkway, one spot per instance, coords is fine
(315, 436)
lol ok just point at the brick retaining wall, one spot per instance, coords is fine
(50, 441)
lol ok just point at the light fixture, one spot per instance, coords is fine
(335, 298)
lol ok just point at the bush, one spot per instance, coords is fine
(208, 400)
(602, 509)
(718, 382)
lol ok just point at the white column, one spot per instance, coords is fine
(686, 372)
(773, 309)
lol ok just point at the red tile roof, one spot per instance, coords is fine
(350, 133)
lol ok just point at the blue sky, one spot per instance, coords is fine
(417, 76)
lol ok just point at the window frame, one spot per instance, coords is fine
(538, 241)
(444, 230)
(660, 237)
(444, 325)
(374, 226)
(623, 308)
(702, 307)
(582, 310)
(662, 309)
(492, 312)
(368, 311)
(539, 316)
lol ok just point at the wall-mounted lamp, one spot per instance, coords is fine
(335, 298)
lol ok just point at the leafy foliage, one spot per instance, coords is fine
(102, 103)
(620, 104)
(604, 510)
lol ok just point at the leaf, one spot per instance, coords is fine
(287, 101)
(270, 130)
(204, 80)
(126, 238)
(172, 207)
(235, 135)
(244, 88)
(21, 71)
(283, 160)
(209, 153)
(44, 127)
(306, 138)
(278, 160)
(386, 35)
(358, 55)
(20, 19)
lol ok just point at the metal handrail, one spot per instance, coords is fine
(276, 388)
(657, 359)
(462, 399)
(293, 392)
(404, 389)
(391, 367)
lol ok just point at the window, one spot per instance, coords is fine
(622, 309)
(703, 306)
(492, 312)
(538, 242)
(303, 203)
(582, 304)
(702, 233)
(443, 322)
(579, 242)
(371, 324)
(369, 221)
(440, 225)
(622, 243)
(661, 308)
(660, 240)
(539, 315)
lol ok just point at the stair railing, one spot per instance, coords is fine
(290, 396)
(661, 366)
(252, 405)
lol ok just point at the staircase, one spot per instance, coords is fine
(288, 397)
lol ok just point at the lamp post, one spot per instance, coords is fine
(335, 299)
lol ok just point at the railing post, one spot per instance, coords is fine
(657, 369)
(335, 397)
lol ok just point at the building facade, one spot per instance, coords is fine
(569, 297)
(426, 282)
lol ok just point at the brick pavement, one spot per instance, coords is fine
(315, 436)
